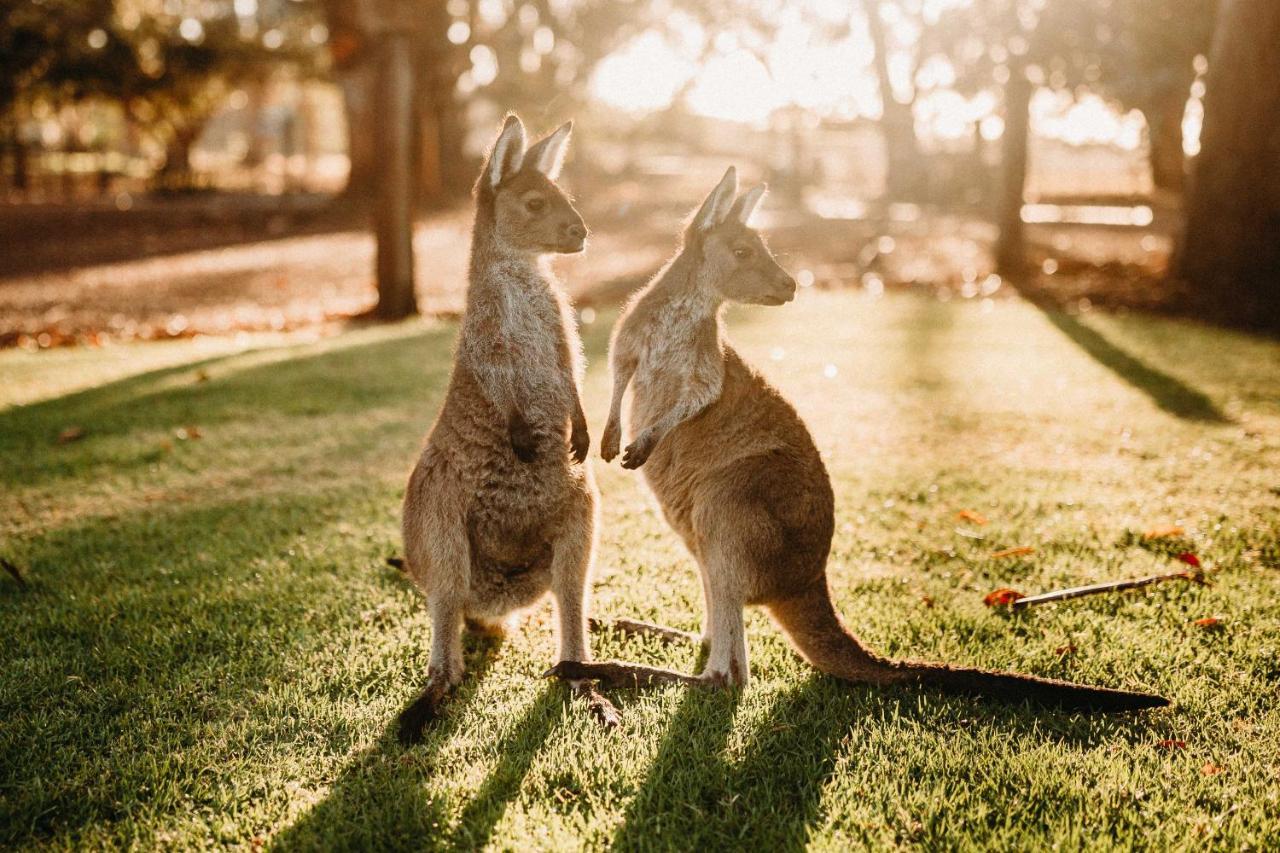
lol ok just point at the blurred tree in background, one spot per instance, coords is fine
(168, 64)
(1230, 249)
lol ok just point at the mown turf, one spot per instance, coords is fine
(210, 650)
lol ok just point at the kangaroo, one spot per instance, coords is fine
(739, 478)
(500, 508)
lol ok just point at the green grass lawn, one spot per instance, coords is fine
(210, 650)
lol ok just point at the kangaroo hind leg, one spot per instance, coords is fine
(439, 561)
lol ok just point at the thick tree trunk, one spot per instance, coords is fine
(1011, 250)
(1164, 136)
(1230, 249)
(359, 98)
(394, 208)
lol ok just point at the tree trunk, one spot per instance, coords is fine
(903, 171)
(394, 208)
(1230, 249)
(1164, 135)
(359, 97)
(1011, 253)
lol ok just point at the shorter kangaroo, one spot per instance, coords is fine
(739, 478)
(498, 510)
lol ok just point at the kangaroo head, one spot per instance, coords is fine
(734, 261)
(530, 213)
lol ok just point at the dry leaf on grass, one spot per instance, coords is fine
(1209, 623)
(187, 433)
(971, 516)
(1063, 651)
(1001, 597)
(1211, 769)
(1169, 743)
(1020, 551)
(1163, 532)
(1190, 559)
(70, 434)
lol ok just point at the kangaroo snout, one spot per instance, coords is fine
(573, 236)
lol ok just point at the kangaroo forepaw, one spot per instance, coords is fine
(637, 453)
(611, 442)
(579, 443)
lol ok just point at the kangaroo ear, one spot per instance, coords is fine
(507, 153)
(548, 155)
(747, 203)
(716, 206)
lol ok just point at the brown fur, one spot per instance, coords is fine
(737, 473)
(499, 510)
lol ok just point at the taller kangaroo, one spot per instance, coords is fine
(739, 478)
(500, 508)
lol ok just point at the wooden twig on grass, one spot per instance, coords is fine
(644, 629)
(1108, 586)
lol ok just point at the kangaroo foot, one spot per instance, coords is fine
(423, 711)
(645, 629)
(619, 674)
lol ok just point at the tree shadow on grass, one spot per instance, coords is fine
(1165, 390)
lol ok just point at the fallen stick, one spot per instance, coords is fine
(634, 628)
(1108, 586)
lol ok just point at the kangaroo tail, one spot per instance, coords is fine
(817, 632)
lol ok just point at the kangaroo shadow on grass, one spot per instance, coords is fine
(1165, 390)
(380, 803)
(696, 797)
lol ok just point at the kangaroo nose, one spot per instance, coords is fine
(576, 230)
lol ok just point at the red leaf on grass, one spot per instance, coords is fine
(1001, 597)
(1190, 559)
(1172, 744)
(1208, 623)
(70, 434)
(1020, 551)
(970, 515)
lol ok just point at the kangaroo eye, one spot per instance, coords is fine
(741, 253)
(535, 204)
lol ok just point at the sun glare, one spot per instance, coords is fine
(835, 78)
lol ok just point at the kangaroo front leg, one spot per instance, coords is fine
(701, 392)
(611, 442)
(444, 671)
